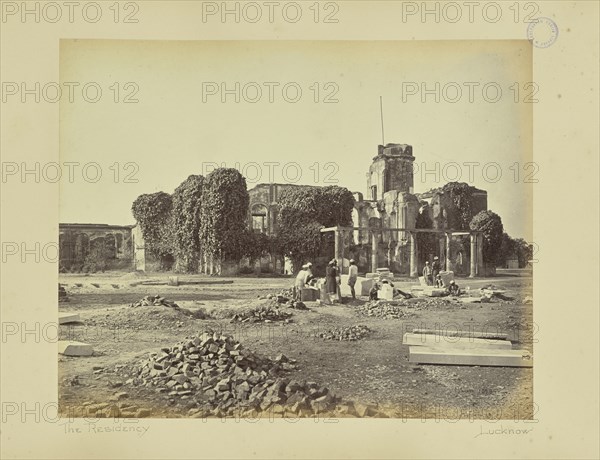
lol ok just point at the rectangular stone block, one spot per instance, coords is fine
(470, 357)
(439, 341)
(386, 292)
(309, 294)
(447, 277)
(66, 318)
(73, 348)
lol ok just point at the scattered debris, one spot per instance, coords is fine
(297, 305)
(351, 333)
(384, 309)
(158, 301)
(62, 294)
(265, 314)
(155, 300)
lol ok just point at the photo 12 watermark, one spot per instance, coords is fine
(116, 12)
(271, 12)
(273, 172)
(69, 171)
(469, 12)
(452, 92)
(69, 91)
(270, 92)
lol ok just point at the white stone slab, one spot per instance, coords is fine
(73, 348)
(65, 318)
(439, 341)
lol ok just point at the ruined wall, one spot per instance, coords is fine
(93, 247)
(263, 200)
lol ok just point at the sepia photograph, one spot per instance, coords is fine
(297, 229)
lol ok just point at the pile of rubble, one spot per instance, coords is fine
(158, 301)
(265, 313)
(383, 309)
(351, 333)
(155, 300)
(217, 373)
(286, 293)
(297, 305)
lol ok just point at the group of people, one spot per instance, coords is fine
(333, 279)
(431, 273)
(305, 277)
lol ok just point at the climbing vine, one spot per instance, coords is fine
(303, 211)
(153, 214)
(224, 215)
(460, 209)
(185, 222)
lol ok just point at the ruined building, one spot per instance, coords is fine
(385, 230)
(392, 227)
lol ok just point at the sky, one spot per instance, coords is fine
(301, 112)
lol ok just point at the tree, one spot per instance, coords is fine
(223, 216)
(303, 211)
(255, 245)
(508, 250)
(153, 214)
(490, 224)
(524, 252)
(187, 200)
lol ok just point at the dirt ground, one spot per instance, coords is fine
(374, 370)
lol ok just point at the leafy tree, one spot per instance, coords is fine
(256, 245)
(490, 224)
(524, 252)
(153, 214)
(223, 216)
(508, 249)
(303, 211)
(185, 223)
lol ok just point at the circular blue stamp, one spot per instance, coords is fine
(542, 32)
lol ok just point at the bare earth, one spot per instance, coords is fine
(374, 370)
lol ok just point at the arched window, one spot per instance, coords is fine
(259, 218)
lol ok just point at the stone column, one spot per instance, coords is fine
(480, 271)
(390, 253)
(339, 248)
(340, 251)
(374, 250)
(413, 255)
(473, 270)
(448, 238)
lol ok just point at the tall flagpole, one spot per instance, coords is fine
(381, 110)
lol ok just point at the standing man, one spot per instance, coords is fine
(331, 278)
(352, 277)
(435, 268)
(427, 274)
(300, 282)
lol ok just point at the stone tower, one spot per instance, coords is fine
(392, 169)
